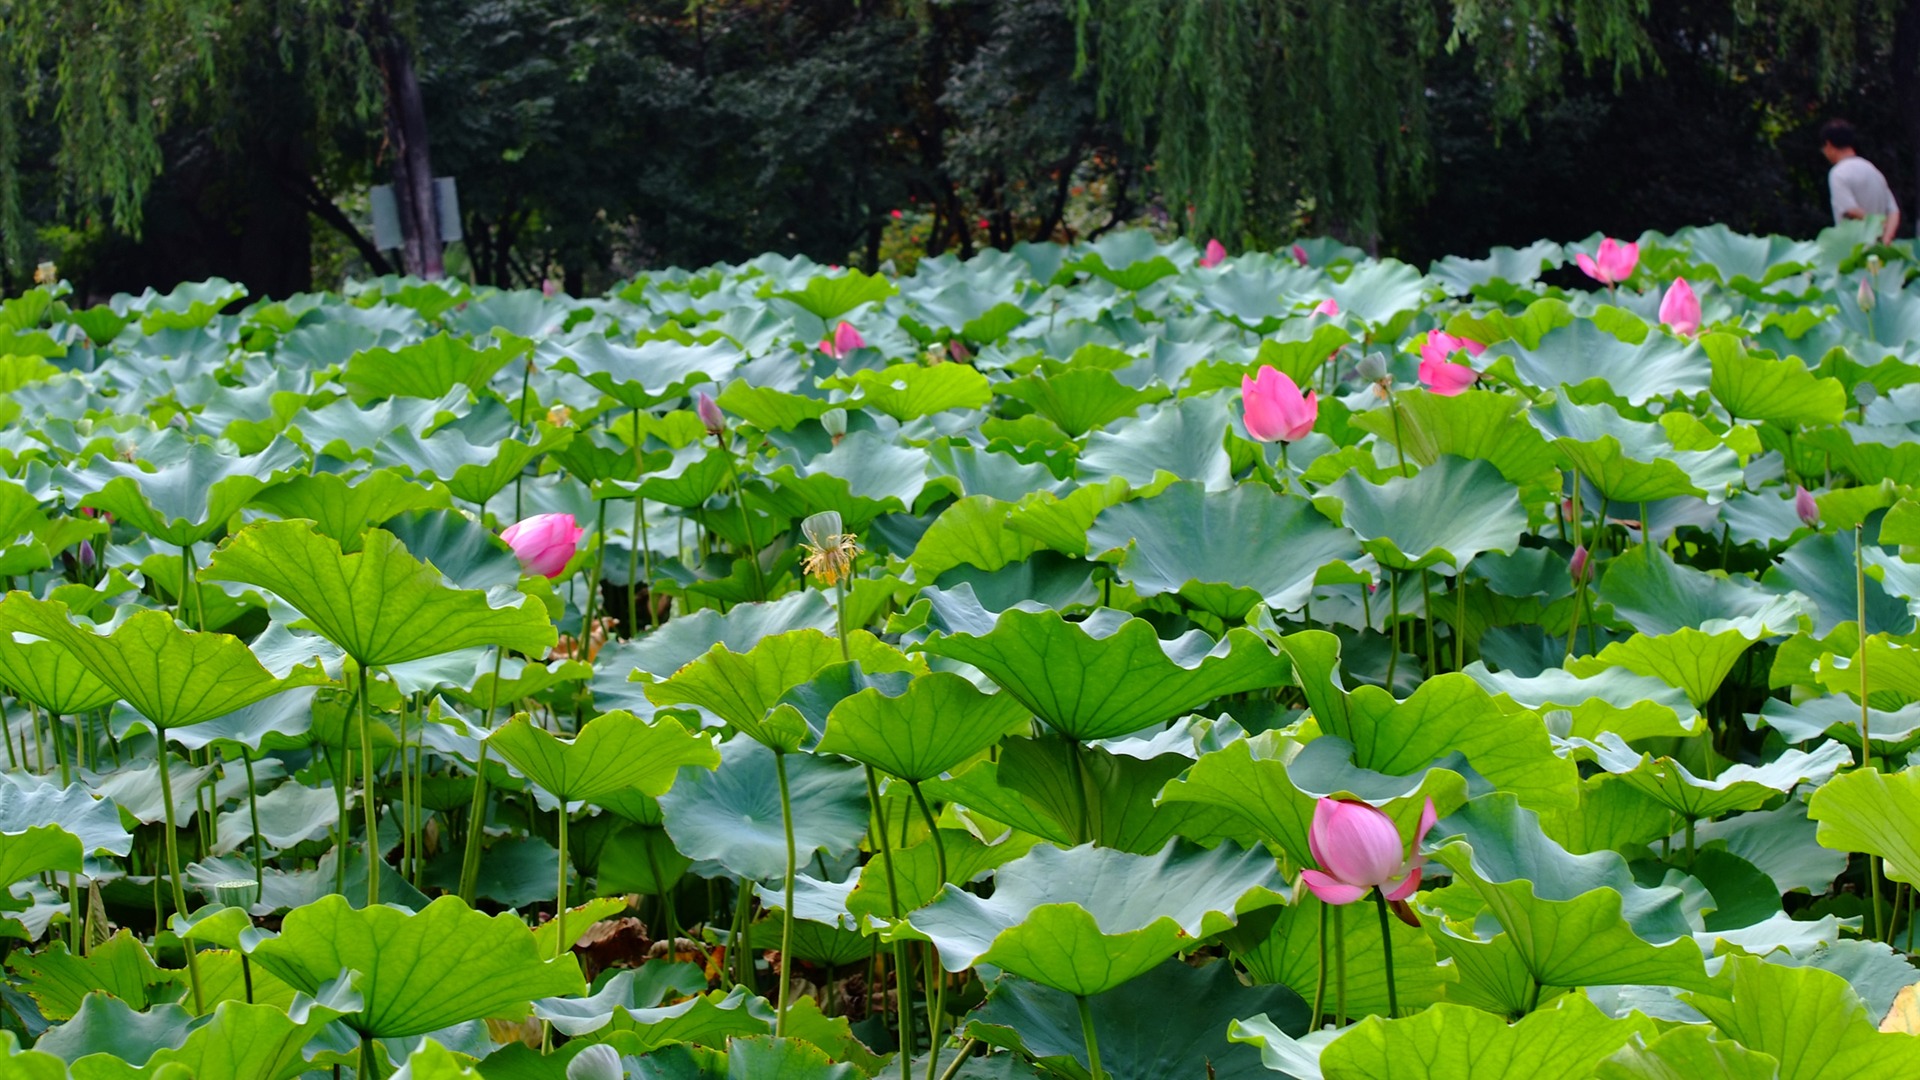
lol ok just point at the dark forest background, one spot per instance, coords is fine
(594, 139)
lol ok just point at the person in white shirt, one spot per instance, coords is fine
(1858, 189)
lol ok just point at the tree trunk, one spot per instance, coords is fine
(1906, 86)
(407, 142)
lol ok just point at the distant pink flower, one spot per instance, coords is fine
(1328, 307)
(1299, 255)
(1215, 254)
(1276, 411)
(1804, 506)
(710, 415)
(1577, 566)
(1441, 345)
(1680, 309)
(844, 341)
(546, 287)
(1359, 849)
(1613, 263)
(984, 224)
(544, 542)
(896, 214)
(1445, 377)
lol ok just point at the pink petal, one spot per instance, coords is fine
(1359, 845)
(1589, 267)
(1328, 307)
(1427, 821)
(1405, 888)
(1330, 891)
(1444, 378)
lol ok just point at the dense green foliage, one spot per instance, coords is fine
(961, 659)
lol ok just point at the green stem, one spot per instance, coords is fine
(1393, 628)
(560, 891)
(1320, 978)
(369, 1064)
(1426, 606)
(902, 981)
(1399, 445)
(477, 809)
(786, 928)
(1460, 619)
(740, 954)
(953, 1070)
(1086, 1032)
(936, 1004)
(1866, 747)
(593, 584)
(1533, 1004)
(1084, 833)
(59, 749)
(253, 810)
(1339, 966)
(746, 523)
(638, 538)
(366, 794)
(173, 872)
(840, 617)
(1386, 952)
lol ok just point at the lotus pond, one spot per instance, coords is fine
(1114, 660)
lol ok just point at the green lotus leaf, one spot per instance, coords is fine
(1289, 952)
(1181, 441)
(381, 605)
(106, 1025)
(1274, 786)
(1381, 292)
(978, 788)
(49, 675)
(696, 473)
(343, 507)
(647, 375)
(1443, 515)
(43, 827)
(630, 1002)
(472, 472)
(916, 871)
(1502, 265)
(1684, 1053)
(971, 532)
(745, 688)
(1892, 675)
(911, 391)
(1223, 551)
(431, 1061)
(865, 476)
(1081, 400)
(1470, 426)
(289, 814)
(1692, 661)
(1165, 1025)
(1808, 1020)
(830, 296)
(187, 501)
(425, 369)
(1628, 461)
(281, 722)
(1566, 1042)
(1127, 260)
(418, 971)
(1582, 353)
(59, 981)
(1779, 391)
(240, 1042)
(732, 815)
(610, 753)
(173, 677)
(1086, 919)
(1614, 700)
(1875, 812)
(1655, 595)
(1612, 815)
(769, 408)
(940, 721)
(1737, 787)
(189, 306)
(1571, 920)
(1107, 676)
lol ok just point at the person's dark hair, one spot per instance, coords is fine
(1838, 133)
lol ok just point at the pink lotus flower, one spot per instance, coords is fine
(1441, 346)
(1299, 255)
(1276, 410)
(1804, 506)
(1866, 296)
(1680, 309)
(1328, 307)
(1577, 566)
(1445, 377)
(1215, 254)
(544, 542)
(1612, 265)
(709, 413)
(844, 341)
(1359, 848)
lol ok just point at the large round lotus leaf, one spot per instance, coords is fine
(1472, 426)
(187, 501)
(1736, 787)
(1163, 1025)
(745, 688)
(1655, 595)
(939, 721)
(1629, 461)
(417, 971)
(1107, 676)
(1686, 1052)
(1223, 551)
(1873, 812)
(1443, 515)
(343, 507)
(381, 604)
(610, 753)
(43, 827)
(1781, 391)
(171, 676)
(425, 369)
(1582, 352)
(1086, 919)
(467, 554)
(51, 676)
(1566, 1042)
(1809, 1020)
(732, 815)
(241, 1042)
(642, 376)
(1180, 441)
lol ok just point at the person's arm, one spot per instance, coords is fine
(1893, 225)
(1854, 214)
(1845, 206)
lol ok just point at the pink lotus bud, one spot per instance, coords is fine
(1215, 254)
(1359, 849)
(547, 288)
(1566, 509)
(1613, 263)
(709, 413)
(1680, 309)
(86, 553)
(1299, 254)
(1577, 566)
(544, 542)
(844, 341)
(1328, 307)
(1276, 411)
(1866, 296)
(1804, 506)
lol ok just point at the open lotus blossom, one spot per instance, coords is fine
(1276, 410)
(1441, 345)
(844, 341)
(1359, 848)
(710, 415)
(1612, 264)
(1328, 307)
(1680, 309)
(1446, 378)
(1804, 506)
(545, 542)
(1215, 254)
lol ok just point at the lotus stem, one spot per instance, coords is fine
(1286, 469)
(786, 927)
(593, 585)
(902, 982)
(746, 522)
(1426, 609)
(1399, 447)
(1460, 619)
(666, 903)
(1533, 1004)
(173, 868)
(1320, 977)
(253, 810)
(936, 1004)
(1339, 967)
(1386, 952)
(59, 751)
(640, 549)
(739, 955)
(840, 619)
(1086, 1032)
(366, 794)
(1866, 747)
(959, 1059)
(477, 809)
(1393, 628)
(1084, 834)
